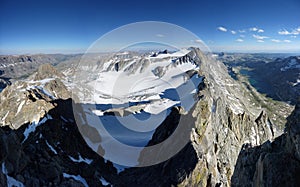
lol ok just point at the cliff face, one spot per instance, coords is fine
(52, 154)
(274, 163)
(225, 122)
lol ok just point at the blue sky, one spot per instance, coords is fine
(72, 26)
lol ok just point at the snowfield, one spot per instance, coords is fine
(125, 100)
(119, 87)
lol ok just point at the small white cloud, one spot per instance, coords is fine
(259, 37)
(242, 36)
(275, 40)
(253, 29)
(287, 41)
(284, 32)
(242, 31)
(233, 32)
(223, 29)
(260, 41)
(160, 35)
(239, 40)
(295, 31)
(293, 36)
(260, 30)
(199, 41)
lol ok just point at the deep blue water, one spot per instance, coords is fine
(232, 73)
(259, 83)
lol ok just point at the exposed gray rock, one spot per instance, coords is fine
(159, 71)
(29, 100)
(272, 163)
(43, 158)
(46, 71)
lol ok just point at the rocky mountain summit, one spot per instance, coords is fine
(30, 100)
(275, 163)
(231, 141)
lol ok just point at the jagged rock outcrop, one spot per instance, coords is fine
(47, 71)
(160, 52)
(29, 100)
(54, 154)
(275, 163)
(40, 144)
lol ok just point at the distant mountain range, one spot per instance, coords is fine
(278, 78)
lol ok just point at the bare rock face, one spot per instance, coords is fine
(30, 100)
(225, 122)
(274, 163)
(47, 71)
(293, 130)
(52, 154)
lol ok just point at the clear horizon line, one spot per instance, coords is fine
(84, 52)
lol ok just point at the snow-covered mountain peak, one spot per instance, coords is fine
(140, 78)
